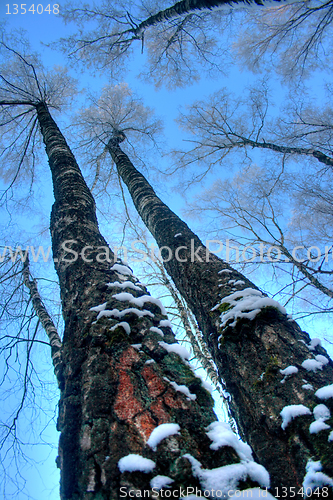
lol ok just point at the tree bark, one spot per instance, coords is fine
(188, 7)
(122, 375)
(249, 354)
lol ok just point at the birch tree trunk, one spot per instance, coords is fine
(122, 373)
(249, 353)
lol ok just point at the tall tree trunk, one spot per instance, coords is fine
(122, 376)
(249, 353)
(188, 7)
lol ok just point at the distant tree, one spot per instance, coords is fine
(287, 202)
(180, 38)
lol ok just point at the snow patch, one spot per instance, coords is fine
(308, 387)
(292, 411)
(246, 304)
(290, 370)
(139, 301)
(221, 434)
(312, 365)
(321, 412)
(325, 392)
(124, 284)
(122, 269)
(224, 271)
(165, 322)
(99, 308)
(159, 482)
(317, 426)
(135, 462)
(182, 388)
(161, 432)
(314, 478)
(125, 326)
(177, 348)
(115, 313)
(287, 372)
(313, 344)
(156, 330)
(227, 477)
(178, 234)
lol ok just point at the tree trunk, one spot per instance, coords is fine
(249, 353)
(188, 7)
(122, 376)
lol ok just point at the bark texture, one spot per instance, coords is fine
(122, 375)
(45, 320)
(188, 7)
(249, 354)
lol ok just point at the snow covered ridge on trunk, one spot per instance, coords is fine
(246, 304)
(161, 432)
(227, 478)
(314, 478)
(290, 412)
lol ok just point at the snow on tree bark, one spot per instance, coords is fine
(248, 354)
(113, 393)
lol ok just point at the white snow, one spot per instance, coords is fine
(247, 304)
(121, 269)
(125, 326)
(321, 412)
(182, 388)
(314, 478)
(225, 271)
(135, 462)
(136, 346)
(313, 344)
(99, 308)
(124, 284)
(149, 361)
(292, 411)
(312, 365)
(290, 370)
(322, 359)
(139, 301)
(178, 234)
(226, 478)
(317, 426)
(253, 493)
(221, 434)
(325, 392)
(161, 432)
(177, 348)
(165, 322)
(308, 387)
(156, 330)
(330, 437)
(159, 482)
(239, 282)
(287, 372)
(115, 313)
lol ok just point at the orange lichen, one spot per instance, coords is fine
(127, 404)
(154, 383)
(145, 424)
